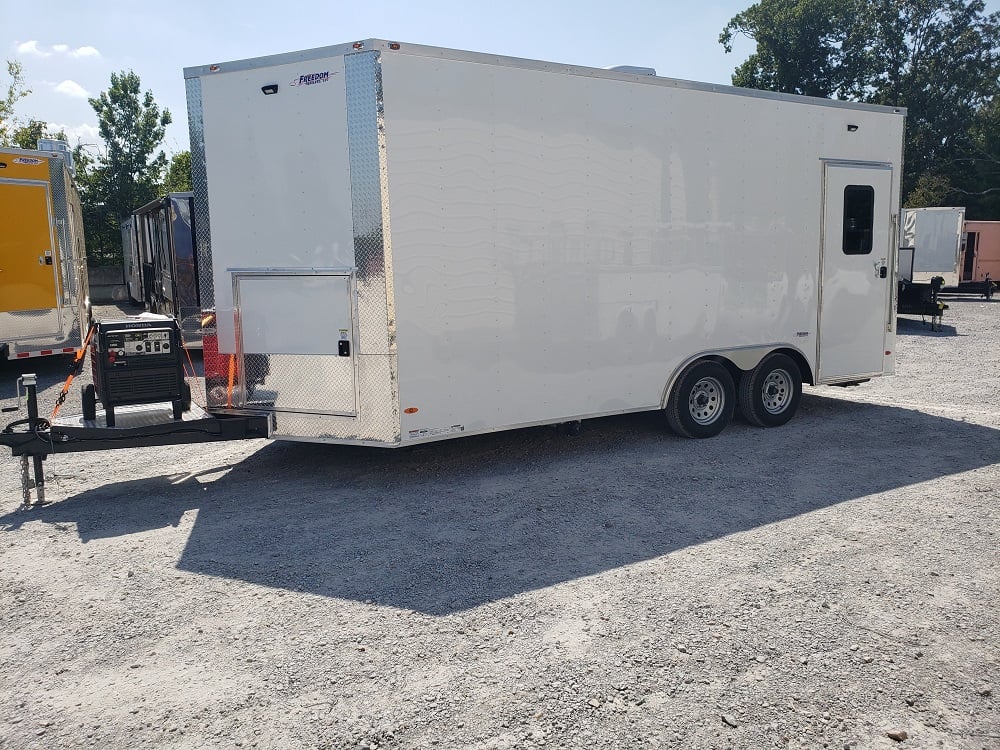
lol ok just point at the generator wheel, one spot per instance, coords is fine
(770, 392)
(90, 403)
(186, 397)
(702, 401)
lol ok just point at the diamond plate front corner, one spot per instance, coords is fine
(199, 183)
(377, 366)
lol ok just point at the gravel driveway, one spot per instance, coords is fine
(829, 584)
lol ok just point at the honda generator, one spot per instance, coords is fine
(136, 361)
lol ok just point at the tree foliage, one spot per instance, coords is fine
(178, 179)
(128, 172)
(13, 91)
(799, 45)
(27, 136)
(938, 58)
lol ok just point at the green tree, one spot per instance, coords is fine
(938, 58)
(13, 91)
(128, 172)
(981, 193)
(27, 136)
(178, 179)
(799, 45)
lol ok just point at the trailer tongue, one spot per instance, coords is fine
(138, 375)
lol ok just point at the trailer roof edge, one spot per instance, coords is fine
(444, 53)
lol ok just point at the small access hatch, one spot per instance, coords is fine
(295, 333)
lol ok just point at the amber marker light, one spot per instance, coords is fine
(410, 410)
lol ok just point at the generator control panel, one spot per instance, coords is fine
(141, 343)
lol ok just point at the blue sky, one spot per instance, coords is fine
(70, 48)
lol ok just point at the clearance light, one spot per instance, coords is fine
(358, 45)
(215, 68)
(888, 353)
(393, 45)
(410, 410)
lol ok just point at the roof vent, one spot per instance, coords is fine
(634, 69)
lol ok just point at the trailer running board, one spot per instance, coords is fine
(137, 426)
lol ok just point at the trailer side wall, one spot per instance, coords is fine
(563, 243)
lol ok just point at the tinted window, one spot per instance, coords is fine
(859, 219)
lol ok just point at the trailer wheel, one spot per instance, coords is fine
(770, 393)
(90, 403)
(702, 401)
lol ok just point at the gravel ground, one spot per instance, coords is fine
(829, 584)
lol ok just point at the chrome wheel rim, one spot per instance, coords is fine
(776, 392)
(706, 400)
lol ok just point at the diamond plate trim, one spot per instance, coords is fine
(199, 182)
(378, 414)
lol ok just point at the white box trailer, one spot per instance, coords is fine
(403, 243)
(936, 235)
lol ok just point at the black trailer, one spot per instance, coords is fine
(165, 259)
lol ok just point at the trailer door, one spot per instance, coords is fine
(296, 335)
(27, 257)
(855, 270)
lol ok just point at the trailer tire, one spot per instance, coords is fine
(702, 401)
(770, 392)
(90, 403)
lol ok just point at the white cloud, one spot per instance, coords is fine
(31, 48)
(85, 52)
(85, 134)
(72, 88)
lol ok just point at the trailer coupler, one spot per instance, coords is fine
(148, 425)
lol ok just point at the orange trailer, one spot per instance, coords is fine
(981, 252)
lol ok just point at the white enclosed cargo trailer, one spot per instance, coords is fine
(936, 235)
(404, 243)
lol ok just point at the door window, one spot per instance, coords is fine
(859, 219)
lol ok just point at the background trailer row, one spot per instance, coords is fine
(161, 267)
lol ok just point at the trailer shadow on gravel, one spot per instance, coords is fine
(444, 527)
(913, 327)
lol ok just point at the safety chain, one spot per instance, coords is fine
(75, 368)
